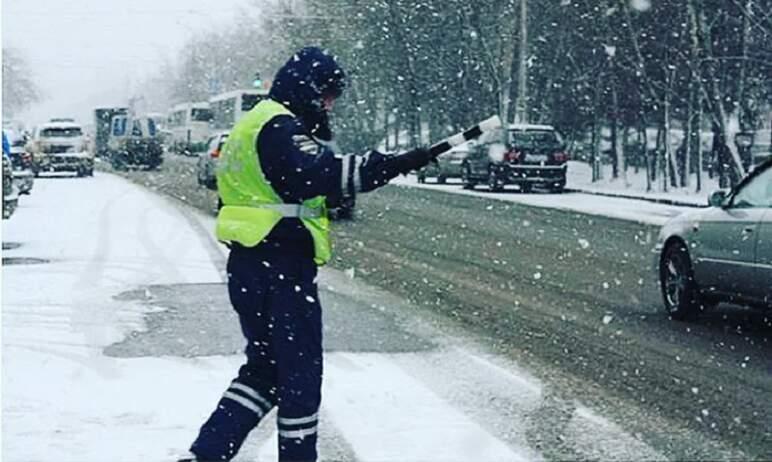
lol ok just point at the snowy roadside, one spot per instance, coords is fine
(632, 185)
(62, 398)
(640, 211)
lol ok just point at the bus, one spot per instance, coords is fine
(228, 108)
(189, 127)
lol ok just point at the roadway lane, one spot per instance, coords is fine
(570, 297)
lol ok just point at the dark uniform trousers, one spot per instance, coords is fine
(277, 301)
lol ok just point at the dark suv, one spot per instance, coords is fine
(523, 155)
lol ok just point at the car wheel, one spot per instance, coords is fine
(494, 184)
(557, 189)
(466, 177)
(679, 289)
(440, 179)
(526, 188)
(421, 179)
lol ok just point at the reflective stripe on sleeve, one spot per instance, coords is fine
(349, 175)
(357, 178)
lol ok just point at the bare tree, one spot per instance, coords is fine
(19, 90)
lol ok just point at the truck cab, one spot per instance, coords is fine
(134, 142)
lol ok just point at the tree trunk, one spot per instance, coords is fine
(698, 123)
(623, 158)
(688, 141)
(645, 147)
(615, 160)
(716, 99)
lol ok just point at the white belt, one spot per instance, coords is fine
(293, 210)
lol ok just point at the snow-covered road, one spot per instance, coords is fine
(76, 247)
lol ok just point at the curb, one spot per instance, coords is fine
(656, 200)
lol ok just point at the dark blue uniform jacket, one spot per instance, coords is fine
(293, 154)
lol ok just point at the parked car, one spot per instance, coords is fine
(722, 253)
(134, 142)
(60, 146)
(447, 166)
(207, 160)
(523, 155)
(10, 195)
(21, 163)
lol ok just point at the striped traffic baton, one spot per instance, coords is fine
(489, 124)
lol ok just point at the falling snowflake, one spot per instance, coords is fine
(607, 319)
(640, 5)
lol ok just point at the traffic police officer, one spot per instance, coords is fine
(277, 175)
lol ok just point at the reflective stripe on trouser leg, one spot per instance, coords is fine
(297, 343)
(239, 411)
(252, 394)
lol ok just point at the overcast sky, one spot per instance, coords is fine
(86, 53)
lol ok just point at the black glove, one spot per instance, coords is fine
(374, 169)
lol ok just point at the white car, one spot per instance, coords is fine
(60, 147)
(207, 160)
(722, 253)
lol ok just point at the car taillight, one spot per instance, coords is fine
(215, 153)
(512, 156)
(560, 157)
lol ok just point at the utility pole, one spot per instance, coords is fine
(522, 105)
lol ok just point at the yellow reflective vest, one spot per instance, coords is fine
(251, 207)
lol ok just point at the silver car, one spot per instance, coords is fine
(722, 253)
(448, 165)
(207, 160)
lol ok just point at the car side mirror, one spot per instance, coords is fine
(717, 198)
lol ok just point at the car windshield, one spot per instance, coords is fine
(249, 101)
(755, 193)
(535, 138)
(70, 132)
(151, 127)
(201, 115)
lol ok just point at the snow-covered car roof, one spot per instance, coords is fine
(530, 127)
(231, 94)
(190, 105)
(63, 125)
